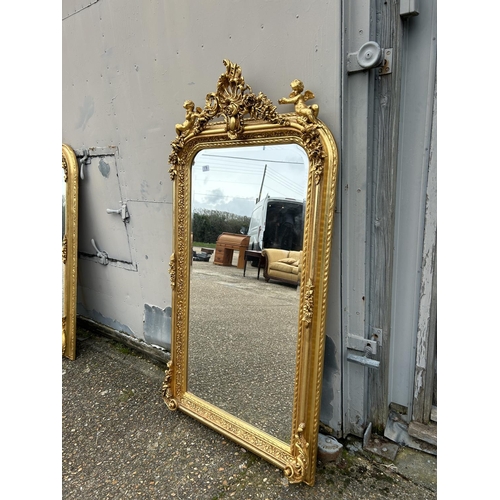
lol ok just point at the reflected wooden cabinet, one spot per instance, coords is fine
(225, 246)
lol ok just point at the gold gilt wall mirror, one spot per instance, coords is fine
(248, 319)
(69, 250)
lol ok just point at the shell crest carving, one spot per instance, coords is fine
(232, 100)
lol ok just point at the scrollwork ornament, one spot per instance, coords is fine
(307, 116)
(167, 388)
(65, 168)
(171, 271)
(295, 470)
(307, 312)
(314, 148)
(64, 249)
(232, 100)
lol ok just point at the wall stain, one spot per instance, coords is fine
(330, 368)
(86, 112)
(144, 189)
(104, 168)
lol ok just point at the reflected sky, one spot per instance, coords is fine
(233, 179)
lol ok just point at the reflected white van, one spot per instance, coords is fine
(277, 223)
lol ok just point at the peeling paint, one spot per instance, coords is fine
(419, 382)
(157, 324)
(109, 322)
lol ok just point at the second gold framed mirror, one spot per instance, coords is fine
(249, 306)
(69, 250)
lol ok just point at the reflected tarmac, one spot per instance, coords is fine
(242, 344)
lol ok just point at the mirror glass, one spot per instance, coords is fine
(243, 322)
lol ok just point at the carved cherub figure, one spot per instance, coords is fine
(191, 116)
(310, 113)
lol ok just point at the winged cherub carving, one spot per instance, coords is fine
(310, 113)
(191, 116)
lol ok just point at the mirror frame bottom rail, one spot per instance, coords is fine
(244, 434)
(232, 101)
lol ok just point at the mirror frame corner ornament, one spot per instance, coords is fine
(252, 119)
(70, 252)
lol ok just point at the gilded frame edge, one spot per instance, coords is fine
(298, 459)
(70, 253)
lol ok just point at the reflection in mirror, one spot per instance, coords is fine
(69, 250)
(243, 326)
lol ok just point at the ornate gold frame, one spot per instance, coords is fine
(233, 101)
(70, 252)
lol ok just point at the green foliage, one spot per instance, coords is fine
(209, 224)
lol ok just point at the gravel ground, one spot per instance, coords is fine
(119, 441)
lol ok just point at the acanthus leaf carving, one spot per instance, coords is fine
(167, 388)
(296, 469)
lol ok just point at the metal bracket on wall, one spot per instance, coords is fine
(369, 56)
(123, 211)
(409, 8)
(85, 160)
(366, 346)
(376, 335)
(102, 256)
(360, 343)
(85, 155)
(363, 360)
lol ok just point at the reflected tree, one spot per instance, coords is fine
(208, 225)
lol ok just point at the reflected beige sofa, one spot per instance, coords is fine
(282, 265)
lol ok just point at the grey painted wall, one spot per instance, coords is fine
(127, 69)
